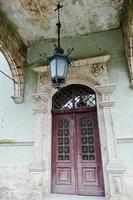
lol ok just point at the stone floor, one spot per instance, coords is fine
(72, 197)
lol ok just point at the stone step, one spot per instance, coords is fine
(72, 197)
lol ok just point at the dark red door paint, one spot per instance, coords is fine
(76, 155)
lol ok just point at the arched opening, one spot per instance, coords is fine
(6, 91)
(76, 152)
(17, 74)
(5, 68)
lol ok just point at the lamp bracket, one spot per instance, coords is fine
(58, 24)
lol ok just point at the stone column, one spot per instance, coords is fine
(114, 169)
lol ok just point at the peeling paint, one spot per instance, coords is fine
(37, 19)
(39, 11)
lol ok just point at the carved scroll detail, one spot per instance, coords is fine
(97, 69)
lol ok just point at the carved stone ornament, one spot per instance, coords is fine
(97, 69)
(117, 3)
(44, 77)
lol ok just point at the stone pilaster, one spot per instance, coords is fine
(114, 168)
(41, 99)
(37, 167)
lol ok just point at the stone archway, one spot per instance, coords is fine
(15, 52)
(17, 73)
(91, 72)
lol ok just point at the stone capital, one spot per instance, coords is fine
(105, 89)
(39, 110)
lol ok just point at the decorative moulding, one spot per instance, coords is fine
(91, 61)
(16, 143)
(89, 68)
(115, 168)
(125, 140)
(106, 104)
(18, 99)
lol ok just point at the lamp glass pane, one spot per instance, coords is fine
(61, 67)
(53, 68)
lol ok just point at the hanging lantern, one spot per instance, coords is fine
(59, 62)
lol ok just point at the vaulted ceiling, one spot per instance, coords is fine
(35, 20)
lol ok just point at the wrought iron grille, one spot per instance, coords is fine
(87, 139)
(74, 96)
(63, 140)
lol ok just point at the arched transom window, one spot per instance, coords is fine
(73, 97)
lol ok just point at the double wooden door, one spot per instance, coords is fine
(76, 155)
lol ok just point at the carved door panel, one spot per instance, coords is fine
(63, 174)
(89, 165)
(76, 157)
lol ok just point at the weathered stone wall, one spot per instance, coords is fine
(127, 29)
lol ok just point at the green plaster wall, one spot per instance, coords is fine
(16, 120)
(19, 122)
(109, 42)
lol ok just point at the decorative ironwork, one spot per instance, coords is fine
(63, 140)
(74, 96)
(87, 139)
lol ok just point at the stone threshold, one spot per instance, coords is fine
(72, 197)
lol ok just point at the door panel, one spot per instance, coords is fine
(63, 174)
(76, 156)
(88, 155)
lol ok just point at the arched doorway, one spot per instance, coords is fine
(76, 154)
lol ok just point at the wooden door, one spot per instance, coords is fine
(76, 157)
(89, 165)
(63, 172)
